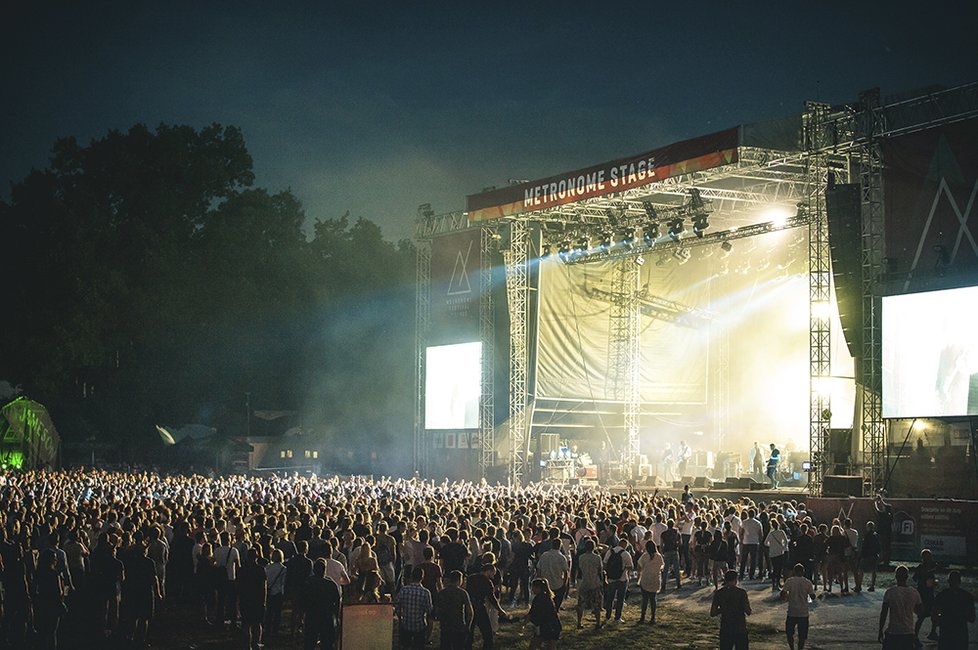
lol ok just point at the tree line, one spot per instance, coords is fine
(149, 281)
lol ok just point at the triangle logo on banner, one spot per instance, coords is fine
(459, 283)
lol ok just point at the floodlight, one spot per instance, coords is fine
(650, 210)
(676, 228)
(651, 234)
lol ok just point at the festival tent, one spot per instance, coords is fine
(28, 439)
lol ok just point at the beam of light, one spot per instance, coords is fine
(777, 215)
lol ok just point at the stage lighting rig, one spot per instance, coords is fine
(584, 243)
(627, 238)
(607, 239)
(651, 234)
(650, 211)
(547, 250)
(700, 223)
(676, 228)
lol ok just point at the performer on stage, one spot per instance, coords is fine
(772, 465)
(756, 461)
(683, 458)
(667, 463)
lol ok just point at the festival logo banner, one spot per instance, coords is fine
(930, 185)
(455, 266)
(697, 154)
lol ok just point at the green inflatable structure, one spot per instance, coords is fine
(28, 439)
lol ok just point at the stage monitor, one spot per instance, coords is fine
(930, 354)
(452, 386)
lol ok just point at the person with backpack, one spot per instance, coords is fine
(618, 562)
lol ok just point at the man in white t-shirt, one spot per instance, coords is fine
(797, 589)
(901, 603)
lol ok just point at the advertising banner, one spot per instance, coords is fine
(944, 526)
(368, 627)
(697, 154)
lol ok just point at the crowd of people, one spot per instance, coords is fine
(90, 556)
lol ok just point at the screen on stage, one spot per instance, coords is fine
(452, 386)
(930, 354)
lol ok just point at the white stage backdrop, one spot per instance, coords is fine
(574, 345)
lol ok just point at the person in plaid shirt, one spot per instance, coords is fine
(414, 607)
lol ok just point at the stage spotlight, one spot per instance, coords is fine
(584, 243)
(650, 210)
(682, 254)
(606, 240)
(627, 238)
(700, 223)
(547, 250)
(676, 228)
(777, 215)
(726, 247)
(651, 234)
(696, 202)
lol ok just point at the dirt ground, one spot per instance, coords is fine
(682, 622)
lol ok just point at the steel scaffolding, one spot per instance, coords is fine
(819, 287)
(873, 435)
(624, 351)
(421, 322)
(517, 289)
(487, 334)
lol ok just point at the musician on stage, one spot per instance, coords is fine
(756, 461)
(667, 463)
(772, 465)
(683, 458)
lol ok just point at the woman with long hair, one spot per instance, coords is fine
(650, 579)
(543, 616)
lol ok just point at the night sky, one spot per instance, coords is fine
(373, 109)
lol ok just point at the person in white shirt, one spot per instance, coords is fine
(650, 579)
(750, 538)
(275, 580)
(226, 557)
(900, 603)
(657, 529)
(797, 590)
(777, 545)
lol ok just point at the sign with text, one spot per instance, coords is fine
(368, 627)
(697, 154)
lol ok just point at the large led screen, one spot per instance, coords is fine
(452, 386)
(930, 354)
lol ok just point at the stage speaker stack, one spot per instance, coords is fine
(843, 208)
(702, 482)
(655, 481)
(837, 485)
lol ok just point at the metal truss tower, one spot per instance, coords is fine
(871, 124)
(624, 354)
(421, 320)
(517, 298)
(487, 334)
(819, 287)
